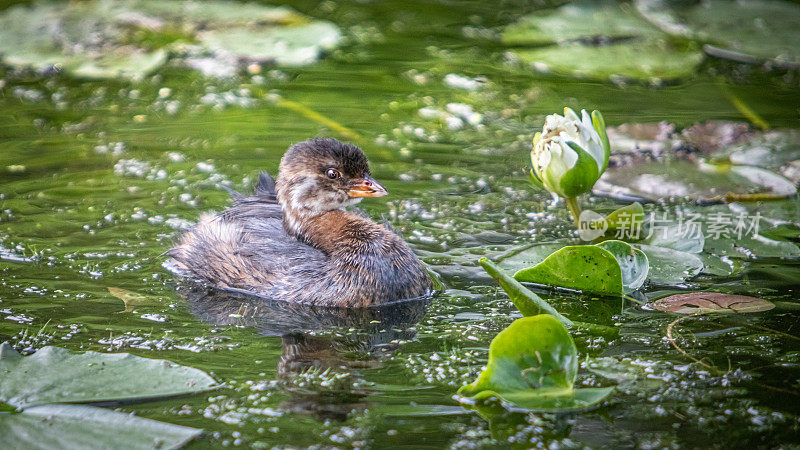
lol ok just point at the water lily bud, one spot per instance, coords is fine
(570, 153)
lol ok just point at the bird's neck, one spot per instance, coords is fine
(331, 232)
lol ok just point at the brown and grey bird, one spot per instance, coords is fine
(294, 240)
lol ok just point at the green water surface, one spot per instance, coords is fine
(96, 179)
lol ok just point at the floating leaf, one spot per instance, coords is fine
(751, 246)
(632, 59)
(620, 223)
(533, 365)
(632, 262)
(711, 302)
(528, 256)
(677, 236)
(627, 219)
(598, 40)
(587, 268)
(288, 46)
(87, 427)
(54, 375)
(684, 180)
(575, 21)
(719, 266)
(130, 39)
(755, 29)
(670, 267)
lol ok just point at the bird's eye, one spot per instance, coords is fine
(333, 173)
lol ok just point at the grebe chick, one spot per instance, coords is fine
(293, 240)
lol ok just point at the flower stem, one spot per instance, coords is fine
(575, 210)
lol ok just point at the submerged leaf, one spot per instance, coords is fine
(87, 427)
(670, 267)
(587, 268)
(54, 375)
(711, 302)
(533, 365)
(131, 299)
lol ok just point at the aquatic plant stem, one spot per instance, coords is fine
(575, 210)
(684, 352)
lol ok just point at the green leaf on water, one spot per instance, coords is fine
(639, 59)
(680, 180)
(528, 256)
(532, 365)
(632, 262)
(55, 375)
(755, 29)
(87, 427)
(628, 218)
(678, 236)
(102, 39)
(576, 21)
(587, 268)
(599, 40)
(287, 46)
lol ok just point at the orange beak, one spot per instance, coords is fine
(366, 187)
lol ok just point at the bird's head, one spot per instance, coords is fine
(323, 174)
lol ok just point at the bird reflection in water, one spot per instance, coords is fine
(335, 342)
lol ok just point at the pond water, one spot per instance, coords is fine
(97, 178)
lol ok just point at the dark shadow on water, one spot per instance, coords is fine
(316, 342)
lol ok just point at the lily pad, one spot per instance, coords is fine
(598, 40)
(752, 246)
(711, 302)
(677, 237)
(670, 267)
(755, 29)
(287, 46)
(55, 375)
(632, 262)
(130, 39)
(642, 59)
(587, 268)
(533, 365)
(87, 427)
(529, 256)
(627, 218)
(623, 223)
(575, 21)
(684, 180)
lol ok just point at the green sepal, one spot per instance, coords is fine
(582, 177)
(535, 179)
(600, 126)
